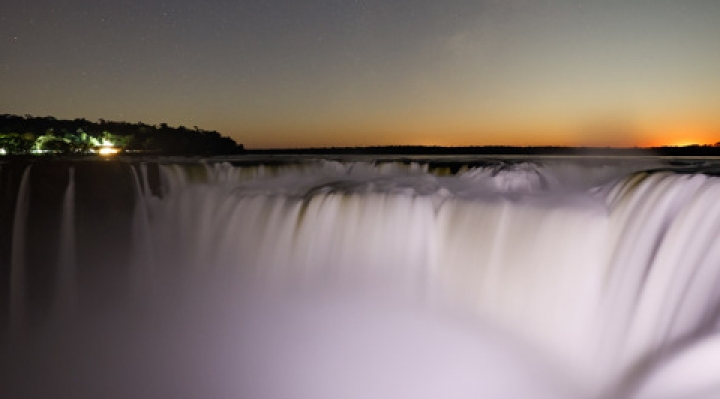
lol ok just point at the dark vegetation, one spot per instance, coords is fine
(27, 134)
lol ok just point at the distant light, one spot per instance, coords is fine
(107, 151)
(3, 151)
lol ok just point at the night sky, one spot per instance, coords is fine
(292, 73)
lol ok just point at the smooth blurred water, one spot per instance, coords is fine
(417, 278)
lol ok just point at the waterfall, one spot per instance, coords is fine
(607, 271)
(17, 262)
(66, 278)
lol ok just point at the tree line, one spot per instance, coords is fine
(29, 134)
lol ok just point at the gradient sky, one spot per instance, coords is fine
(284, 73)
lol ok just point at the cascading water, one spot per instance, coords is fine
(16, 275)
(324, 279)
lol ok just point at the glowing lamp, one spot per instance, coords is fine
(105, 151)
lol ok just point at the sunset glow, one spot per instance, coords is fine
(681, 137)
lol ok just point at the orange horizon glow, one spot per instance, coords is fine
(682, 137)
(680, 140)
(636, 138)
(435, 128)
